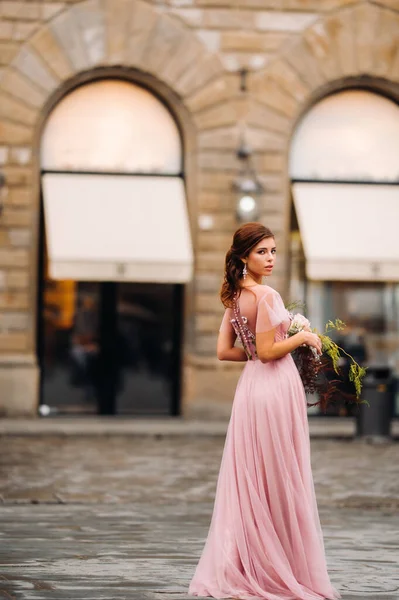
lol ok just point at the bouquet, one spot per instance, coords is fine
(313, 368)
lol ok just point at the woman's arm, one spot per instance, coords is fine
(269, 349)
(226, 349)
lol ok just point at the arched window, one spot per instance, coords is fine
(111, 126)
(349, 136)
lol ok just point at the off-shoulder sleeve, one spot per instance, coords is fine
(271, 312)
(225, 324)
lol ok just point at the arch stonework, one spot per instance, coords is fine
(140, 41)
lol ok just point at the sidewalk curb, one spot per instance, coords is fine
(319, 427)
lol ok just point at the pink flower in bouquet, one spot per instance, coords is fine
(298, 323)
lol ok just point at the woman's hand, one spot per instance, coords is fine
(312, 339)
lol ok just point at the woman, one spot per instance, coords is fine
(265, 539)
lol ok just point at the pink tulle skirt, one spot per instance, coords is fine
(265, 539)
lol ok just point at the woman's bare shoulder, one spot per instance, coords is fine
(265, 290)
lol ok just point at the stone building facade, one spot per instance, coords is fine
(190, 53)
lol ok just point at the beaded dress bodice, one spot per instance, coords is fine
(244, 334)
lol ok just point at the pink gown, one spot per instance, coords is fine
(265, 539)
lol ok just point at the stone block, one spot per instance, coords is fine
(65, 28)
(322, 47)
(12, 342)
(214, 241)
(17, 111)
(14, 321)
(261, 117)
(216, 161)
(326, 5)
(267, 141)
(14, 300)
(167, 35)
(14, 257)
(21, 155)
(22, 31)
(207, 67)
(6, 30)
(221, 115)
(187, 54)
(224, 138)
(289, 80)
(209, 201)
(20, 238)
(217, 386)
(213, 181)
(19, 380)
(275, 222)
(206, 344)
(15, 9)
(213, 93)
(214, 3)
(236, 61)
(268, 92)
(19, 196)
(51, 9)
(142, 20)
(210, 261)
(270, 162)
(13, 133)
(193, 17)
(204, 323)
(19, 86)
(18, 176)
(252, 41)
(274, 203)
(4, 153)
(344, 42)
(284, 21)
(90, 17)
(208, 282)
(210, 38)
(220, 18)
(304, 63)
(8, 50)
(117, 20)
(48, 48)
(208, 303)
(386, 50)
(273, 183)
(30, 65)
(391, 4)
(366, 18)
(15, 216)
(17, 279)
(225, 221)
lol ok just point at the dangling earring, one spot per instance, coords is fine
(244, 272)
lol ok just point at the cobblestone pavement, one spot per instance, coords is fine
(126, 517)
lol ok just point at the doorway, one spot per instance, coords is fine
(110, 348)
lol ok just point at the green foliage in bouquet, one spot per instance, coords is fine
(331, 348)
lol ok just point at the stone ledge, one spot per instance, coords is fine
(320, 427)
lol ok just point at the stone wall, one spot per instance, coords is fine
(296, 51)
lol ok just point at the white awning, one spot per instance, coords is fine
(117, 228)
(349, 231)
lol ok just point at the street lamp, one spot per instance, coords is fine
(247, 187)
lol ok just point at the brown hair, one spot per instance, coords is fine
(244, 239)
